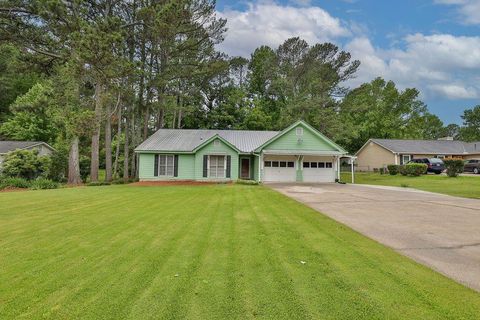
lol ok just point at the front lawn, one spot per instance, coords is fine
(462, 186)
(203, 252)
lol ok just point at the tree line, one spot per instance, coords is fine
(95, 78)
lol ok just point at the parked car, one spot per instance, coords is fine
(472, 165)
(434, 165)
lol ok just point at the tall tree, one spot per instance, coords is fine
(471, 122)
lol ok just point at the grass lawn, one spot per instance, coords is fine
(203, 252)
(462, 186)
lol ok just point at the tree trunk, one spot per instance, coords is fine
(126, 151)
(133, 142)
(74, 163)
(117, 149)
(94, 161)
(108, 143)
(180, 106)
(174, 118)
(145, 120)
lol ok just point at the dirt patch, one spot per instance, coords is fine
(13, 189)
(174, 183)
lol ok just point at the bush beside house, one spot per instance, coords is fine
(409, 169)
(27, 169)
(454, 166)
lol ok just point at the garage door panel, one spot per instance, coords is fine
(279, 170)
(318, 171)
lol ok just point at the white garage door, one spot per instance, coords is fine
(318, 171)
(279, 171)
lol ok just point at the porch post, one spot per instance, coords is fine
(260, 166)
(338, 168)
(353, 175)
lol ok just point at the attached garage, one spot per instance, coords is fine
(318, 169)
(280, 169)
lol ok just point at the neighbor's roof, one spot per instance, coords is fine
(428, 146)
(7, 146)
(187, 140)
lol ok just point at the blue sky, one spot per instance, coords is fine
(432, 45)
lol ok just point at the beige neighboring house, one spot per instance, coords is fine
(378, 153)
(7, 146)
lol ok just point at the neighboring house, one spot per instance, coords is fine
(298, 153)
(7, 146)
(378, 153)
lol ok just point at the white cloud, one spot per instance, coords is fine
(469, 10)
(439, 65)
(271, 24)
(454, 91)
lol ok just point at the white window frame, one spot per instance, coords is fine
(299, 131)
(165, 165)
(403, 158)
(209, 169)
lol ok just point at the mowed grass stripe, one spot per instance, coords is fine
(113, 252)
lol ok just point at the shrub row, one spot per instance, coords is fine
(247, 182)
(105, 183)
(37, 184)
(409, 169)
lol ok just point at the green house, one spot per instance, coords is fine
(297, 154)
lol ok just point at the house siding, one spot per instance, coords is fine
(374, 156)
(186, 167)
(307, 142)
(221, 149)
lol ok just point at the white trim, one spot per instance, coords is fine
(224, 166)
(406, 155)
(166, 165)
(303, 153)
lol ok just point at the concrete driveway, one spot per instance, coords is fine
(439, 231)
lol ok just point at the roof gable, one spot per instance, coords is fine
(212, 139)
(310, 140)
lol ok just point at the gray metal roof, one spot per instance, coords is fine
(428, 146)
(7, 146)
(187, 140)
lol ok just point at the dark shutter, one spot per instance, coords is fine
(205, 164)
(155, 166)
(175, 166)
(229, 165)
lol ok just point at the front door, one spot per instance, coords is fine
(245, 168)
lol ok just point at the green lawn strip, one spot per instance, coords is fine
(113, 252)
(216, 290)
(462, 186)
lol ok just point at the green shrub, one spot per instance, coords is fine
(402, 170)
(247, 182)
(98, 183)
(119, 181)
(454, 166)
(84, 168)
(393, 169)
(59, 165)
(9, 182)
(26, 164)
(382, 170)
(416, 169)
(42, 183)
